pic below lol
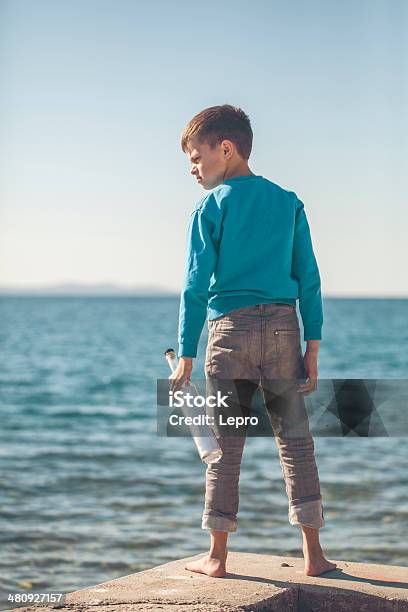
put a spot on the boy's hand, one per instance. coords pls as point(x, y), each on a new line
point(181, 374)
point(310, 366)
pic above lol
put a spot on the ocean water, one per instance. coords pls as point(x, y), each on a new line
point(89, 492)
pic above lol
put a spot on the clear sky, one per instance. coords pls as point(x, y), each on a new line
point(94, 96)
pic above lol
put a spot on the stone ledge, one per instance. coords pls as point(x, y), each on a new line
point(254, 583)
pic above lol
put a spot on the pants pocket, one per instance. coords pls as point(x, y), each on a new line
point(228, 353)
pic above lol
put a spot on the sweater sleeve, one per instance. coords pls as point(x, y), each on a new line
point(306, 271)
point(202, 252)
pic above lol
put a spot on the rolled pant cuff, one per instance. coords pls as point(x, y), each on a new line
point(309, 514)
point(218, 523)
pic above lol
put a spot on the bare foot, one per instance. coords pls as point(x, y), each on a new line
point(315, 561)
point(317, 564)
point(211, 566)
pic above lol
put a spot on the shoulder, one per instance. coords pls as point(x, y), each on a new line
point(210, 205)
point(289, 196)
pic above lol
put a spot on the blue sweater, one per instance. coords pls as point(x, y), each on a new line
point(248, 242)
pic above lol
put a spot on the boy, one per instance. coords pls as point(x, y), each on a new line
point(249, 258)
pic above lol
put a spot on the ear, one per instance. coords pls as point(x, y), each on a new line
point(227, 147)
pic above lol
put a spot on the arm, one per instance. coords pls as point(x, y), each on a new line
point(201, 260)
point(306, 271)
point(312, 346)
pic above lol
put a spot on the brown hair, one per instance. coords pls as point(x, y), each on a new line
point(217, 123)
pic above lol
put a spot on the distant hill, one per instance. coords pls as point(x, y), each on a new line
point(108, 289)
point(112, 289)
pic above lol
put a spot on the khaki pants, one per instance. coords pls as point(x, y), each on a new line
point(247, 348)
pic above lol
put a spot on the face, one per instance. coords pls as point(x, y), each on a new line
point(208, 165)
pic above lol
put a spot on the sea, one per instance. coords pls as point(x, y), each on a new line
point(90, 492)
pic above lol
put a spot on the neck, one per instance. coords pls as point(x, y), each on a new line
point(241, 170)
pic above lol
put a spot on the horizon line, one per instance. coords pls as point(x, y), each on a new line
point(166, 293)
